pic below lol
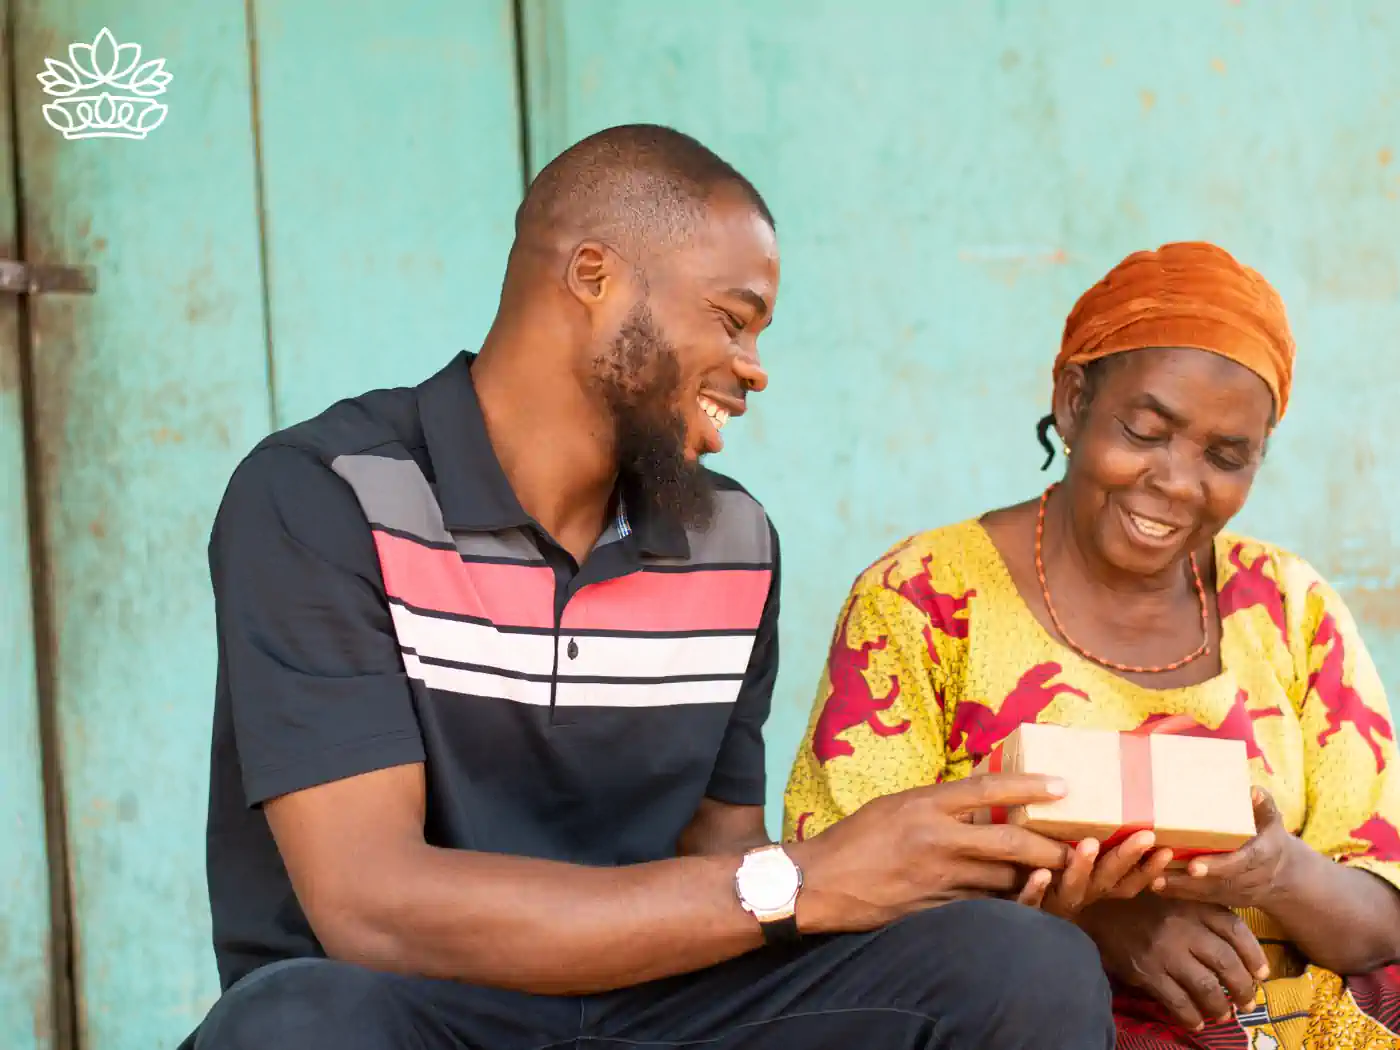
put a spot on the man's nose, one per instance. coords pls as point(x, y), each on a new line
point(750, 372)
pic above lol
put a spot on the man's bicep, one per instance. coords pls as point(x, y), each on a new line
point(342, 843)
point(313, 674)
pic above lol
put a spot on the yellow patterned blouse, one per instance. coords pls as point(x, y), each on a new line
point(936, 657)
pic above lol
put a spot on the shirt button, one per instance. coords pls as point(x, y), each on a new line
point(573, 649)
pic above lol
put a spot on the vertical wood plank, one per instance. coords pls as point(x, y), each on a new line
point(26, 1020)
point(146, 395)
point(391, 168)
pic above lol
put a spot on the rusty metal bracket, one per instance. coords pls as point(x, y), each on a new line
point(21, 278)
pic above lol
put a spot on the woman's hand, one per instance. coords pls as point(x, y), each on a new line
point(1197, 960)
point(1246, 877)
point(1121, 873)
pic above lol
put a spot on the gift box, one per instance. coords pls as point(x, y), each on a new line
point(1193, 792)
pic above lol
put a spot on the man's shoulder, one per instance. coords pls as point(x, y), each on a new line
point(739, 533)
point(294, 464)
point(735, 499)
point(377, 419)
point(738, 508)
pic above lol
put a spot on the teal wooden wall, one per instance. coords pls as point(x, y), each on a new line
point(327, 207)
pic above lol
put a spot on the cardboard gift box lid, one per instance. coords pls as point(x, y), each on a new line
point(1194, 792)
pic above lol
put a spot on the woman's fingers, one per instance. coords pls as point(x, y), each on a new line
point(1221, 958)
point(1232, 929)
point(1125, 856)
point(1122, 864)
point(1146, 875)
point(1202, 984)
point(1168, 991)
point(1033, 892)
point(1077, 877)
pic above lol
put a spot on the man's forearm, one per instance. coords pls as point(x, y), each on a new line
point(1341, 918)
point(541, 926)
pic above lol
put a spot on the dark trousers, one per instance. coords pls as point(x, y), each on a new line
point(976, 975)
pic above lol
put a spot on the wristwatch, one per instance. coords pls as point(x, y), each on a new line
point(766, 884)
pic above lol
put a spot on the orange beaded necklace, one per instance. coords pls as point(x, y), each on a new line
point(1055, 619)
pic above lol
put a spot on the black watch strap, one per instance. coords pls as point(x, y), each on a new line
point(780, 931)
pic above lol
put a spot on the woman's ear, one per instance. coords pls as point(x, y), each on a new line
point(1071, 400)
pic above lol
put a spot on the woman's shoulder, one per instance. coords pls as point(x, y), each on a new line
point(950, 559)
point(1246, 563)
point(1258, 578)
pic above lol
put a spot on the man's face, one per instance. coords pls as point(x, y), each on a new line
point(685, 358)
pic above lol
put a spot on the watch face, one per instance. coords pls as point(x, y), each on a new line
point(768, 880)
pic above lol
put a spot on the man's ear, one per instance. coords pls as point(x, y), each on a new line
point(592, 273)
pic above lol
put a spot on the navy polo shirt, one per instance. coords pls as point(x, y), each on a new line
point(381, 598)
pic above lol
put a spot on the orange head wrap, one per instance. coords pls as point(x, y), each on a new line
point(1192, 295)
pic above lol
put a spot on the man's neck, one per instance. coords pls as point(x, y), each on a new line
point(554, 445)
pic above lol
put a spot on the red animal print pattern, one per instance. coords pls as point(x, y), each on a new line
point(937, 658)
point(1344, 705)
point(851, 703)
point(1249, 588)
point(979, 728)
point(1238, 724)
point(941, 610)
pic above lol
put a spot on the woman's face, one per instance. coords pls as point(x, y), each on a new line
point(1164, 450)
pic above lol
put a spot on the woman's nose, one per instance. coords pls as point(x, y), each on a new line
point(1178, 476)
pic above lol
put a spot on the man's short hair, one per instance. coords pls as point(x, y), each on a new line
point(641, 188)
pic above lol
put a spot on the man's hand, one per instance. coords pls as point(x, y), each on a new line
point(1120, 874)
point(1198, 960)
point(1247, 877)
point(909, 851)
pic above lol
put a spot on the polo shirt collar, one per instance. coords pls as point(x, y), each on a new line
point(656, 534)
point(473, 490)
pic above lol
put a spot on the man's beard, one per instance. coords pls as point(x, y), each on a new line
point(639, 377)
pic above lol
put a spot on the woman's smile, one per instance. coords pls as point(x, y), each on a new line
point(1150, 532)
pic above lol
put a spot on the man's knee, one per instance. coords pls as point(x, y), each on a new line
point(310, 1003)
point(1001, 974)
point(1022, 947)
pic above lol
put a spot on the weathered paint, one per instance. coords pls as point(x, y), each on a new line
point(948, 178)
point(26, 1021)
point(391, 169)
point(146, 395)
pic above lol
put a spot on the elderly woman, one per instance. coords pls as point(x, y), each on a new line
point(1116, 599)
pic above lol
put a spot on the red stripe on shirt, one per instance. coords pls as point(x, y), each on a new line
point(437, 580)
point(704, 600)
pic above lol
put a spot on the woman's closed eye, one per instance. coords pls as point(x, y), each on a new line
point(1228, 458)
point(1140, 436)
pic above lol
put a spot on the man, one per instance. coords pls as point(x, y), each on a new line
point(495, 655)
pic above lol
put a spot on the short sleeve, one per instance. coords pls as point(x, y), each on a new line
point(310, 664)
point(876, 726)
point(1353, 795)
point(739, 775)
